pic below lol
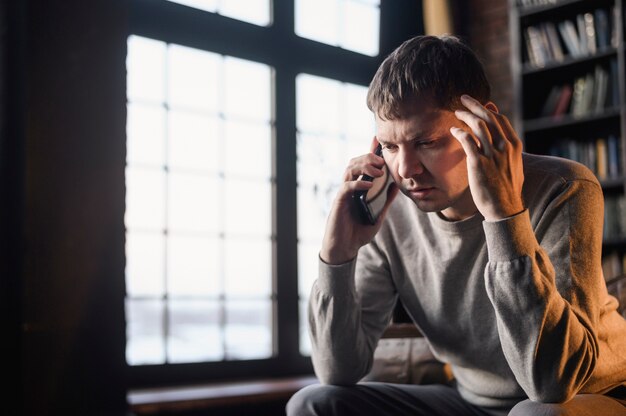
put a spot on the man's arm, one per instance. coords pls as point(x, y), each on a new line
point(547, 336)
point(343, 332)
point(347, 320)
point(547, 297)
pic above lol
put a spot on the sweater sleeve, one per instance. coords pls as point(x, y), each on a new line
point(350, 306)
point(545, 285)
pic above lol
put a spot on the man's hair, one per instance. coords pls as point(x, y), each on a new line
point(437, 68)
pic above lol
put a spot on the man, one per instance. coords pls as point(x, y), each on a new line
point(495, 254)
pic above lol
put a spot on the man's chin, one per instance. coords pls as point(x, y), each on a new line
point(427, 205)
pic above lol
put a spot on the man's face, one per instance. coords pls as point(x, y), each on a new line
point(426, 161)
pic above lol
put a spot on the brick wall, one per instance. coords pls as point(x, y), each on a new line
point(485, 24)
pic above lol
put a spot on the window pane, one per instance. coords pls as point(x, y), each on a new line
point(193, 142)
point(248, 329)
point(308, 265)
point(305, 339)
point(207, 5)
point(248, 149)
point(318, 20)
point(321, 159)
point(322, 156)
point(145, 198)
point(349, 24)
point(252, 11)
point(360, 24)
point(145, 342)
point(317, 104)
point(194, 331)
point(248, 90)
point(145, 129)
point(199, 204)
point(145, 263)
point(193, 79)
point(145, 64)
point(313, 207)
point(193, 266)
point(247, 208)
point(193, 203)
point(359, 121)
point(248, 271)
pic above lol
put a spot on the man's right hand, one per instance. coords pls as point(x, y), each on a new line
point(345, 233)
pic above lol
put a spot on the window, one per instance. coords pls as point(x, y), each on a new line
point(199, 140)
point(251, 11)
point(350, 24)
point(237, 135)
point(333, 125)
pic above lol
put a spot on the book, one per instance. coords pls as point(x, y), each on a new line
point(554, 42)
point(563, 103)
point(590, 158)
point(578, 97)
point(614, 156)
point(530, 52)
point(602, 28)
point(588, 93)
point(582, 35)
point(614, 26)
point(549, 105)
point(537, 48)
point(601, 159)
point(614, 85)
point(590, 33)
point(570, 37)
point(601, 82)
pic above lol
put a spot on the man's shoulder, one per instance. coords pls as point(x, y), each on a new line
point(541, 169)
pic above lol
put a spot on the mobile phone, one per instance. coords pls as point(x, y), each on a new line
point(371, 202)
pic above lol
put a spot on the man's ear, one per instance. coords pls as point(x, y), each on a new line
point(491, 106)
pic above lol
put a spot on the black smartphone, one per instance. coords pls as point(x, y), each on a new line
point(371, 202)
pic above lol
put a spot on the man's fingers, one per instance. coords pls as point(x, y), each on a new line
point(475, 107)
point(479, 128)
point(352, 186)
point(368, 164)
point(467, 141)
point(354, 172)
point(509, 133)
point(489, 121)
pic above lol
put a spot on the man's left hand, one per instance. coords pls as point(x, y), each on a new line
point(494, 159)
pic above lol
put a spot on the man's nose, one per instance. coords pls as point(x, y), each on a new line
point(409, 164)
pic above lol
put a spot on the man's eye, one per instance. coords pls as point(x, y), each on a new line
point(390, 147)
point(426, 143)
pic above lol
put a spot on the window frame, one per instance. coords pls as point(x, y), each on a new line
point(175, 23)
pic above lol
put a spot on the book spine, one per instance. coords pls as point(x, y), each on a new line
point(601, 159)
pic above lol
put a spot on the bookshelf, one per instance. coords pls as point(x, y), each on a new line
point(569, 72)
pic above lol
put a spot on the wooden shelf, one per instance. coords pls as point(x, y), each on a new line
point(571, 135)
point(613, 183)
point(558, 7)
point(568, 62)
point(567, 120)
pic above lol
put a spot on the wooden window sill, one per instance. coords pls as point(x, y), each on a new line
point(185, 398)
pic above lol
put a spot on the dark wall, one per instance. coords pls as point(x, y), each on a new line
point(65, 112)
point(62, 152)
point(11, 187)
point(487, 26)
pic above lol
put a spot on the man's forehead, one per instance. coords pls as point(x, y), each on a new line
point(414, 125)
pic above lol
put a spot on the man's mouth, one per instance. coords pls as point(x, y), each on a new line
point(420, 192)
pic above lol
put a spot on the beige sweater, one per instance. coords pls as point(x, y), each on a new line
point(518, 307)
